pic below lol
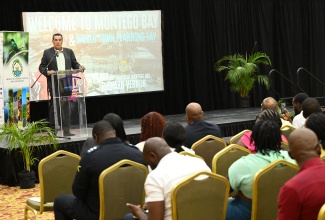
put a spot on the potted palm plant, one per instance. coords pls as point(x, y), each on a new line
point(243, 71)
point(25, 141)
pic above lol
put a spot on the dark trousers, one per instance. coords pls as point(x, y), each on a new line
point(68, 207)
point(63, 113)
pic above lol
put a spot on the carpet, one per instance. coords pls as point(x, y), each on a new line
point(13, 200)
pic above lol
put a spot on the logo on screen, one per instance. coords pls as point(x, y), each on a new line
point(17, 68)
point(123, 66)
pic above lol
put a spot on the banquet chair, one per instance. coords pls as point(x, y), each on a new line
point(323, 158)
point(203, 195)
point(266, 187)
point(191, 155)
point(207, 147)
point(226, 157)
point(120, 184)
point(234, 139)
point(286, 130)
point(56, 175)
point(284, 146)
point(321, 213)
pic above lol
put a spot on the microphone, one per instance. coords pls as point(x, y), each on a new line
point(56, 54)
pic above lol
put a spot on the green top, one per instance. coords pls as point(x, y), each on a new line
point(241, 173)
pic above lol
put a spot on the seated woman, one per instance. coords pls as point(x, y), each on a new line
point(152, 125)
point(267, 114)
point(266, 135)
point(174, 134)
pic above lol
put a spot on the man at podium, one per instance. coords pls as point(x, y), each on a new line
point(54, 59)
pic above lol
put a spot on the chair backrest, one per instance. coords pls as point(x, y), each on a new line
point(56, 175)
point(266, 187)
point(207, 147)
point(226, 157)
point(189, 154)
point(121, 183)
point(321, 213)
point(234, 139)
point(284, 146)
point(205, 198)
point(323, 158)
point(286, 130)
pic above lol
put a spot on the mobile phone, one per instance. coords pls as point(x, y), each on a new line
point(283, 108)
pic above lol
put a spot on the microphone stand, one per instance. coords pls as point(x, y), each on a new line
point(55, 55)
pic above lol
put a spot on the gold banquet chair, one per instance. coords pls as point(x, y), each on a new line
point(286, 130)
point(266, 187)
point(56, 175)
point(226, 157)
point(321, 213)
point(191, 155)
point(234, 139)
point(284, 146)
point(207, 147)
point(194, 198)
point(120, 184)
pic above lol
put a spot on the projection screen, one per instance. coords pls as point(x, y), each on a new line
point(122, 51)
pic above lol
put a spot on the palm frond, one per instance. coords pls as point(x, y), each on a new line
point(242, 72)
point(27, 140)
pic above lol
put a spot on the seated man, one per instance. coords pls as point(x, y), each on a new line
point(169, 168)
point(302, 196)
point(299, 119)
point(271, 103)
point(310, 106)
point(197, 128)
point(316, 123)
point(84, 202)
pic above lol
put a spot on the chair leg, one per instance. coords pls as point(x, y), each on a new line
point(28, 208)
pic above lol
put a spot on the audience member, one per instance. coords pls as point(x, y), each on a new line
point(302, 196)
point(299, 119)
point(310, 106)
point(197, 128)
point(152, 125)
point(118, 126)
point(316, 123)
point(84, 202)
point(267, 138)
point(169, 168)
point(174, 135)
point(267, 114)
point(271, 103)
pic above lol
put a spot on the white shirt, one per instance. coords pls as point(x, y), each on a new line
point(60, 60)
point(298, 121)
point(171, 169)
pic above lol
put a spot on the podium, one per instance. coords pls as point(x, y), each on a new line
point(69, 89)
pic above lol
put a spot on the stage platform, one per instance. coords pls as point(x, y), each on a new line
point(230, 121)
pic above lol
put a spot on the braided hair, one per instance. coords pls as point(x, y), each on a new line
point(266, 135)
point(152, 125)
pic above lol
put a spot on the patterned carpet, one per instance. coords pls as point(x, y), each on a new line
point(13, 200)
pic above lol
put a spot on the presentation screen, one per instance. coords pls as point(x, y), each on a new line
point(121, 51)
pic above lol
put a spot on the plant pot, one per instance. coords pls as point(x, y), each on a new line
point(26, 179)
point(244, 102)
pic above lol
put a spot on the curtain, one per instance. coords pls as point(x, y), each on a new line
point(196, 33)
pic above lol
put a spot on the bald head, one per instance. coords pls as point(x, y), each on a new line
point(154, 150)
point(269, 103)
point(303, 145)
point(193, 112)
